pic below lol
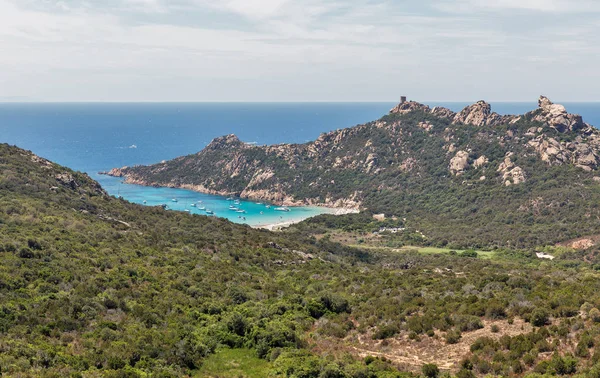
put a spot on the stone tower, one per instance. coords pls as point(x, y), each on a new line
point(402, 99)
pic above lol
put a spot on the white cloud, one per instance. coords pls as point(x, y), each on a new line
point(549, 6)
point(135, 50)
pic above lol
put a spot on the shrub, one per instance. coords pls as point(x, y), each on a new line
point(469, 253)
point(453, 336)
point(595, 315)
point(430, 370)
point(539, 317)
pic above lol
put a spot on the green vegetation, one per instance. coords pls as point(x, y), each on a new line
point(234, 363)
point(93, 286)
point(408, 177)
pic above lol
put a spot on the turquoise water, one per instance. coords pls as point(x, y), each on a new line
point(98, 137)
point(255, 213)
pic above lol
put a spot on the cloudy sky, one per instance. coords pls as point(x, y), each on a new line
point(299, 50)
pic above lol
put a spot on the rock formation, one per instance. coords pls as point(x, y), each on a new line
point(459, 163)
point(556, 116)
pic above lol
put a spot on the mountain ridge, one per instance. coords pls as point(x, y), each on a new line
point(390, 165)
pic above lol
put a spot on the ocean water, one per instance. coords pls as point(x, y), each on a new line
point(97, 137)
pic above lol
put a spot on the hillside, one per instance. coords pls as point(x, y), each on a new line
point(93, 286)
point(472, 178)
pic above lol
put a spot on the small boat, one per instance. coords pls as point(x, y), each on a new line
point(282, 209)
point(193, 205)
point(241, 211)
point(202, 208)
point(210, 212)
point(186, 210)
point(236, 202)
point(174, 200)
point(259, 203)
point(261, 213)
point(145, 202)
point(268, 206)
point(164, 206)
point(229, 199)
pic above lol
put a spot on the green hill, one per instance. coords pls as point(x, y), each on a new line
point(471, 179)
point(94, 286)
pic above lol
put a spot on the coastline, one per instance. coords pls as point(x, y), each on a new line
point(154, 195)
point(280, 199)
point(278, 226)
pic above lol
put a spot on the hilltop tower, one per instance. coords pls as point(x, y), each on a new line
point(402, 99)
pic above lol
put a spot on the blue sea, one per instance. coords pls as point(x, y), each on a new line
point(94, 137)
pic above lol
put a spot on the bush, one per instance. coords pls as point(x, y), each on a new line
point(539, 317)
point(469, 253)
point(595, 315)
point(453, 336)
point(430, 370)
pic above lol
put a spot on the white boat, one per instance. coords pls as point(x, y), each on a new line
point(282, 209)
point(145, 201)
point(193, 205)
point(210, 212)
point(186, 210)
point(241, 211)
point(261, 213)
point(229, 199)
point(202, 208)
point(174, 200)
point(233, 208)
point(268, 206)
point(236, 202)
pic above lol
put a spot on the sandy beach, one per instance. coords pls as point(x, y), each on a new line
point(279, 225)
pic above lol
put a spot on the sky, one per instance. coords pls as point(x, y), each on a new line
point(299, 50)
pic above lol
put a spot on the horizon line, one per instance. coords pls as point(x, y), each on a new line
point(290, 102)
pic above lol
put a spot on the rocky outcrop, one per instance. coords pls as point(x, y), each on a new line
point(581, 154)
point(511, 174)
point(442, 112)
point(480, 114)
point(371, 163)
point(410, 106)
point(67, 179)
point(550, 150)
point(459, 163)
point(225, 142)
point(480, 161)
point(556, 116)
point(427, 126)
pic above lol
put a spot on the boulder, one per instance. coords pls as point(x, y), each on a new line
point(459, 163)
point(511, 174)
point(481, 161)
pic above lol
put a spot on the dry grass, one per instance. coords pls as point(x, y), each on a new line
point(411, 355)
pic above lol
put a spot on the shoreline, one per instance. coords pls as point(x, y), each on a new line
point(270, 222)
point(345, 205)
point(278, 226)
